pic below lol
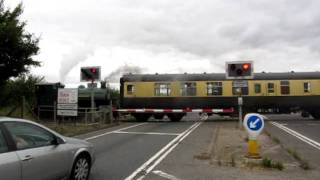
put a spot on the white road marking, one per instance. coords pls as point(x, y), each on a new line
point(303, 138)
point(125, 128)
point(147, 133)
point(160, 155)
point(165, 175)
point(313, 124)
point(167, 152)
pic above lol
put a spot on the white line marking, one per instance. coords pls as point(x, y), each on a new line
point(165, 175)
point(313, 124)
point(147, 133)
point(303, 138)
point(143, 168)
point(125, 128)
point(158, 154)
point(167, 152)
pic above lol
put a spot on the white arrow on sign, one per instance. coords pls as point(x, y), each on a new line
point(254, 124)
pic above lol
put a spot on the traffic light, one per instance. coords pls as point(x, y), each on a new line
point(239, 70)
point(90, 74)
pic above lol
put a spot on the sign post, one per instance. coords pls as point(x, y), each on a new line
point(254, 124)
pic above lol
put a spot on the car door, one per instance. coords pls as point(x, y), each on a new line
point(10, 166)
point(40, 158)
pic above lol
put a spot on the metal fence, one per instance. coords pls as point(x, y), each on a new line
point(102, 114)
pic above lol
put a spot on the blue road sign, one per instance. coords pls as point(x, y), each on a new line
point(254, 123)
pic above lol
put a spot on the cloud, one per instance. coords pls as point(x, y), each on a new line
point(278, 35)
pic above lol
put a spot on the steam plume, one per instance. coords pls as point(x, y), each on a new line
point(114, 76)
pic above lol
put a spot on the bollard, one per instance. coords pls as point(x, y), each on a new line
point(254, 124)
point(253, 149)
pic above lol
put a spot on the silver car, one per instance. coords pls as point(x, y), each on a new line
point(30, 151)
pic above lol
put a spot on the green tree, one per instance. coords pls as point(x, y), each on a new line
point(17, 47)
point(24, 85)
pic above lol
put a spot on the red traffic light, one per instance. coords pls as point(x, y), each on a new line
point(93, 70)
point(246, 66)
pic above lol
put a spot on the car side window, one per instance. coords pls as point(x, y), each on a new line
point(27, 135)
point(3, 143)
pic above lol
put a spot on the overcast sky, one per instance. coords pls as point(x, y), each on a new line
point(172, 36)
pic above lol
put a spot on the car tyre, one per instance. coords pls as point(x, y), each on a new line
point(81, 168)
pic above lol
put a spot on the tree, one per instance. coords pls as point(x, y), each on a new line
point(17, 47)
point(24, 85)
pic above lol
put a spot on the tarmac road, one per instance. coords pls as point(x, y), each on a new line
point(165, 150)
point(121, 151)
point(299, 134)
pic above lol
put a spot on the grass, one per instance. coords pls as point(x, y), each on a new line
point(303, 163)
point(268, 163)
point(294, 154)
point(276, 140)
point(233, 161)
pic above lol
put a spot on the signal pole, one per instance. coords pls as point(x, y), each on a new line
point(240, 104)
point(92, 101)
point(239, 70)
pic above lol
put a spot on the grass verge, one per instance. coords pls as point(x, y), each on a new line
point(302, 163)
point(268, 163)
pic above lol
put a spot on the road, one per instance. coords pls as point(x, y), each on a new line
point(121, 151)
point(299, 134)
point(156, 150)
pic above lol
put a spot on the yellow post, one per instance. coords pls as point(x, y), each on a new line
point(253, 149)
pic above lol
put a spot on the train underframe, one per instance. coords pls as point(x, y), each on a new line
point(307, 105)
point(174, 117)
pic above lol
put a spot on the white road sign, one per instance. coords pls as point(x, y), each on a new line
point(67, 96)
point(67, 102)
point(68, 106)
point(67, 113)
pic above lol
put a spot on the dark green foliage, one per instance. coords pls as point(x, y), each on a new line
point(17, 47)
point(14, 89)
point(268, 163)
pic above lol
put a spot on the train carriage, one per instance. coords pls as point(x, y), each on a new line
point(266, 92)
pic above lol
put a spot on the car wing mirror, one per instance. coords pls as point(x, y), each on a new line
point(56, 141)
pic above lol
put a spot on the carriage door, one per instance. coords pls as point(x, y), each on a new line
point(271, 89)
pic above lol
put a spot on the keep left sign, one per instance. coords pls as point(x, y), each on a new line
point(254, 124)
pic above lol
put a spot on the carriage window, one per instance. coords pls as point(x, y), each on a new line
point(257, 88)
point(307, 87)
point(214, 88)
point(130, 89)
point(240, 86)
point(188, 89)
point(162, 89)
point(285, 89)
point(270, 88)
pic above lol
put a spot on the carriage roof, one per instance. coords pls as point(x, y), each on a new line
point(217, 76)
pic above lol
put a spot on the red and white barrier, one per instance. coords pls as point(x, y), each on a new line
point(228, 110)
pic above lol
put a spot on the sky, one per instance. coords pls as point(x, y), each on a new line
point(171, 36)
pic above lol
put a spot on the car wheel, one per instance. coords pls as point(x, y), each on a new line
point(81, 168)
